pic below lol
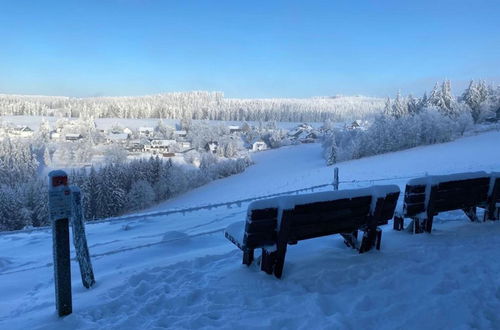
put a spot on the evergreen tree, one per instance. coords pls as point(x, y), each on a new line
point(399, 107)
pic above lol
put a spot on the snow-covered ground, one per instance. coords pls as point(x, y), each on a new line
point(107, 123)
point(179, 271)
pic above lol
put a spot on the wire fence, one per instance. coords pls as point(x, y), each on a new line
point(229, 204)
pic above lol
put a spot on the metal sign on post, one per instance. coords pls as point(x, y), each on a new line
point(60, 212)
point(80, 240)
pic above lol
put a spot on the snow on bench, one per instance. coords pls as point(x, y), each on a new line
point(273, 223)
point(428, 196)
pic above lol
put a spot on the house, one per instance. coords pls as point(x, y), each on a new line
point(159, 146)
point(54, 135)
point(119, 138)
point(21, 131)
point(73, 137)
point(135, 146)
point(180, 134)
point(234, 129)
point(212, 146)
point(259, 146)
point(357, 124)
point(185, 145)
point(146, 131)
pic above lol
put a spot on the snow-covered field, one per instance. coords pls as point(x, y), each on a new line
point(107, 123)
point(179, 271)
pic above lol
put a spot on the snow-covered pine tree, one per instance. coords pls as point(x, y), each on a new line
point(140, 196)
point(472, 97)
point(387, 107)
point(399, 108)
point(413, 105)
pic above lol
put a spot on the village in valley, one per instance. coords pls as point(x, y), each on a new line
point(85, 141)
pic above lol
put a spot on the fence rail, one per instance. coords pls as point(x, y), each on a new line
point(219, 205)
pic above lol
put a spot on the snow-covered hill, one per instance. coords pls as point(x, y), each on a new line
point(179, 271)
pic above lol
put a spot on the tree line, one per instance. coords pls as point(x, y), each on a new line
point(194, 105)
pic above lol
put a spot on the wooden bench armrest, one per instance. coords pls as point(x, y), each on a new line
point(235, 233)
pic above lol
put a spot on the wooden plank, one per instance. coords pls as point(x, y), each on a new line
point(362, 201)
point(260, 227)
point(334, 216)
point(258, 214)
point(418, 189)
point(415, 198)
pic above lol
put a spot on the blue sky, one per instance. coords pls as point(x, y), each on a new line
point(245, 48)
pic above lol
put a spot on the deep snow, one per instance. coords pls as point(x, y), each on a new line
point(179, 271)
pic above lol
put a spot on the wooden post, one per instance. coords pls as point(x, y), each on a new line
point(80, 240)
point(60, 212)
point(336, 178)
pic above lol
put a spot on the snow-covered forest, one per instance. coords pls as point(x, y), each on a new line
point(194, 105)
point(408, 122)
point(112, 189)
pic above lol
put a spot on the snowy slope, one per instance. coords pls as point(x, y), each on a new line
point(179, 271)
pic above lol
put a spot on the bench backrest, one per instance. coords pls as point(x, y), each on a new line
point(319, 214)
point(327, 218)
point(260, 227)
point(446, 193)
point(494, 192)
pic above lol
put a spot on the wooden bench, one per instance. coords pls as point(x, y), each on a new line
point(492, 208)
point(428, 196)
point(274, 223)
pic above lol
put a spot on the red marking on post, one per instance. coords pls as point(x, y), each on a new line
point(59, 181)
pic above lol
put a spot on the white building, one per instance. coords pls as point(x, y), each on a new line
point(259, 146)
point(73, 137)
point(21, 131)
point(146, 131)
point(159, 146)
point(119, 138)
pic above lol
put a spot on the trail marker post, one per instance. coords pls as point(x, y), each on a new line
point(336, 178)
point(60, 213)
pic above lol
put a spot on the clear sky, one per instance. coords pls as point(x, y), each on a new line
point(245, 48)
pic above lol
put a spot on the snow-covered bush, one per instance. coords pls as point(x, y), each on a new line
point(388, 133)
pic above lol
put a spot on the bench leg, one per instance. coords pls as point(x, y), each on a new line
point(378, 240)
point(369, 240)
point(351, 239)
point(417, 225)
point(248, 257)
point(491, 212)
point(427, 225)
point(267, 261)
point(471, 213)
point(280, 260)
point(399, 223)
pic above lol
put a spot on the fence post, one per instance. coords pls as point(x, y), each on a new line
point(79, 239)
point(60, 212)
point(336, 178)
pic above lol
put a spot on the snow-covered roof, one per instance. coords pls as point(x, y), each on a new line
point(118, 136)
point(146, 129)
point(72, 135)
point(162, 142)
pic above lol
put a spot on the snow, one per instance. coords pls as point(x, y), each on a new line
point(436, 179)
point(179, 271)
point(289, 202)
